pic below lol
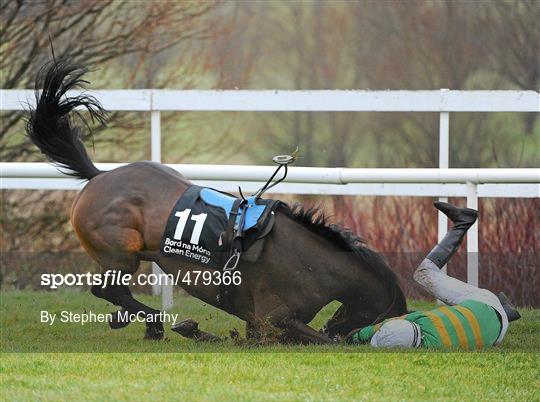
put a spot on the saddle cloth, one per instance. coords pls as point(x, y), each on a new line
point(196, 229)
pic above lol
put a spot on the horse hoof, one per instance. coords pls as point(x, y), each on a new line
point(153, 333)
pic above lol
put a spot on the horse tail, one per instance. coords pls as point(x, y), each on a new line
point(50, 125)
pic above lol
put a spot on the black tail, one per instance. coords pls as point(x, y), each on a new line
point(50, 125)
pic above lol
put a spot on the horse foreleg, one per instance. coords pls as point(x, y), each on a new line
point(303, 333)
point(339, 324)
point(294, 329)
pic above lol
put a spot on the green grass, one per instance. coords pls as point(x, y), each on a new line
point(30, 371)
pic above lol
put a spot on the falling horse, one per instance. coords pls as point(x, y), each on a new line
point(301, 264)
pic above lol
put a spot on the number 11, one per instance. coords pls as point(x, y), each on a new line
point(197, 229)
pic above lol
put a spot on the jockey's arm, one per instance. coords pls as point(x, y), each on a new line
point(363, 335)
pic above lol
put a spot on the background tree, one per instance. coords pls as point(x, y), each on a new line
point(128, 45)
point(386, 45)
point(513, 49)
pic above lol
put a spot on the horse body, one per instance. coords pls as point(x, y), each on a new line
point(120, 216)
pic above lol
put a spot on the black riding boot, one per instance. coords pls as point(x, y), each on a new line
point(463, 219)
point(509, 309)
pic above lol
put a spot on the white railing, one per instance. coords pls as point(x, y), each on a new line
point(442, 182)
point(308, 180)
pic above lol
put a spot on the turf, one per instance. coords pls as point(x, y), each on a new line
point(183, 369)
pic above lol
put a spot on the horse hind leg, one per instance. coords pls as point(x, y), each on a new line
point(116, 248)
point(117, 295)
point(121, 296)
point(112, 236)
point(118, 319)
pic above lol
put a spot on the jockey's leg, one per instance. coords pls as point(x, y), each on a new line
point(463, 219)
point(443, 287)
point(428, 273)
point(451, 290)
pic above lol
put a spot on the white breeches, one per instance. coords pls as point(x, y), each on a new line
point(453, 291)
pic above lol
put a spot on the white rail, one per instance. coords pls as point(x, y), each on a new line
point(316, 175)
point(522, 183)
point(442, 182)
point(301, 101)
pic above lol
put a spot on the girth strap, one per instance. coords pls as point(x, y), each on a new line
point(233, 242)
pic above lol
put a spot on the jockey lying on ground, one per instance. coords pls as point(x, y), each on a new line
point(474, 318)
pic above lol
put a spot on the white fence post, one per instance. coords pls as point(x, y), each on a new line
point(155, 154)
point(472, 237)
point(444, 157)
point(166, 289)
point(167, 301)
point(155, 136)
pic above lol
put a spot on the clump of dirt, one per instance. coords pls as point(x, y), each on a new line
point(259, 333)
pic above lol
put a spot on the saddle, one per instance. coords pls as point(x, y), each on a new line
point(250, 218)
point(207, 227)
point(215, 229)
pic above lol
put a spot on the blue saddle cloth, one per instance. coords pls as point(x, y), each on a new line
point(254, 211)
point(197, 226)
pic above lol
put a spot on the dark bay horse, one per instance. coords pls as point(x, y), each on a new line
point(120, 215)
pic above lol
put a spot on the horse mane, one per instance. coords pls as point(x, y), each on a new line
point(315, 220)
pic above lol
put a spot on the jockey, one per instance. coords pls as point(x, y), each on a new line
point(474, 318)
